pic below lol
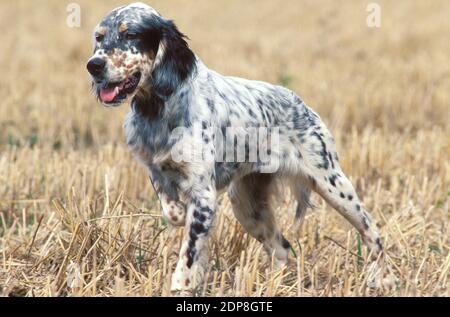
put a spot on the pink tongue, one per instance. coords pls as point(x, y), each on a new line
point(108, 94)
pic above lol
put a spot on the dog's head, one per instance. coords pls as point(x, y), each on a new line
point(136, 51)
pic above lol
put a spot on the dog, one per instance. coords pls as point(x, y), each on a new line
point(142, 58)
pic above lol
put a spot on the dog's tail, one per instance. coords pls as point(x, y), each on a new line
point(301, 193)
point(303, 203)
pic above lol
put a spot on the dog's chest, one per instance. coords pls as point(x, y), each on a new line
point(148, 140)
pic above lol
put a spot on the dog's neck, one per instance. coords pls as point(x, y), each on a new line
point(147, 104)
point(172, 110)
point(150, 105)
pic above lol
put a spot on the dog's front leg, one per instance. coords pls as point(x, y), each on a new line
point(173, 209)
point(201, 206)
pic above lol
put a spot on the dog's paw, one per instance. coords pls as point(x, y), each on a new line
point(376, 279)
point(174, 212)
point(182, 293)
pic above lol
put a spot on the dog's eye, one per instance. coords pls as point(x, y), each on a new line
point(99, 37)
point(131, 36)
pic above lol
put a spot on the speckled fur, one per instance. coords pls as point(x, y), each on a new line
point(178, 90)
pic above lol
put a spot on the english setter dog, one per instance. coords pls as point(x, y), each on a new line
point(141, 57)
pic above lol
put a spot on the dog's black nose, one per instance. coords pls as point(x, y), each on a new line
point(95, 66)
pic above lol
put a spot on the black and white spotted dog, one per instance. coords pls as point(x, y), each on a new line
point(143, 57)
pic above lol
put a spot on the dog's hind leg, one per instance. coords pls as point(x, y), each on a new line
point(250, 198)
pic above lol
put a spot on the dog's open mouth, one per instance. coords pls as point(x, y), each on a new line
point(113, 93)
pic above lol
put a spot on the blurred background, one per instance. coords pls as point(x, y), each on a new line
point(383, 92)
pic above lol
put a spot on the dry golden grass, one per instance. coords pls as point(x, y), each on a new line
point(78, 216)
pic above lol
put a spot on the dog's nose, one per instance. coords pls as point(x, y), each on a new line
point(95, 66)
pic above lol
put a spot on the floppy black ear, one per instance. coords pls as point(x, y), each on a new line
point(174, 60)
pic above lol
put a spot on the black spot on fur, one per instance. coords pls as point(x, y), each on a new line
point(323, 152)
point(378, 242)
point(331, 159)
point(206, 210)
point(190, 253)
point(285, 243)
point(192, 238)
point(199, 216)
point(149, 108)
point(210, 104)
point(198, 228)
point(333, 179)
point(366, 224)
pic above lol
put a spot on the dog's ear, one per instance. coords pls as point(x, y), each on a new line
point(174, 61)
